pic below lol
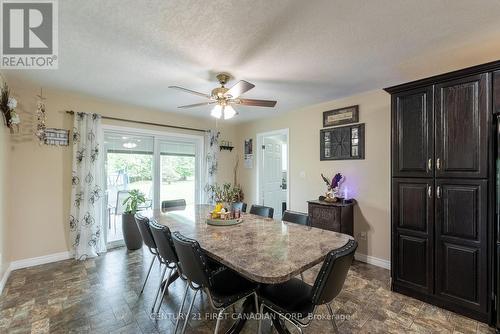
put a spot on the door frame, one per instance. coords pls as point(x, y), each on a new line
point(260, 160)
point(159, 136)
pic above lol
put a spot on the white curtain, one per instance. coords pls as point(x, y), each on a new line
point(212, 149)
point(86, 217)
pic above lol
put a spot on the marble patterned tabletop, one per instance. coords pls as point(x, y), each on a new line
point(261, 249)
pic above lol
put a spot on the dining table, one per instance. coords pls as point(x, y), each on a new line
point(263, 250)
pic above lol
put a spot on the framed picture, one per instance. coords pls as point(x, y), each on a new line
point(341, 116)
point(343, 143)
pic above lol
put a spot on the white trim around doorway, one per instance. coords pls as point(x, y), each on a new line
point(259, 162)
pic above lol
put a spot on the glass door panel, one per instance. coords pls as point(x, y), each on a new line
point(178, 171)
point(128, 166)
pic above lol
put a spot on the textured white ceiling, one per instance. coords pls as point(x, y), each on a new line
point(297, 52)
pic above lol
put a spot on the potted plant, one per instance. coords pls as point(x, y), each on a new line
point(225, 194)
point(131, 234)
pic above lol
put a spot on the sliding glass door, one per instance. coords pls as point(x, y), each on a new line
point(160, 166)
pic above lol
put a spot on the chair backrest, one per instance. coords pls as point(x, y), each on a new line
point(173, 204)
point(163, 240)
point(296, 218)
point(242, 206)
point(333, 273)
point(192, 260)
point(143, 225)
point(120, 197)
point(263, 211)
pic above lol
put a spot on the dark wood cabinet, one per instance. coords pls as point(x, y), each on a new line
point(413, 133)
point(443, 189)
point(462, 116)
point(336, 217)
point(412, 216)
point(461, 252)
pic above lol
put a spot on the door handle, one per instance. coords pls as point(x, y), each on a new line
point(429, 165)
point(429, 191)
point(438, 192)
point(438, 164)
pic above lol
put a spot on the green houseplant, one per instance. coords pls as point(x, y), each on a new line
point(131, 234)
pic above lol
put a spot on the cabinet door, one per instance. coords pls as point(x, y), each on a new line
point(462, 127)
point(461, 242)
point(412, 133)
point(412, 231)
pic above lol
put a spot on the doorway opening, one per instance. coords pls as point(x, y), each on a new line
point(273, 170)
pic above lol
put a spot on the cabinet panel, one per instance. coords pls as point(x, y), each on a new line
point(496, 92)
point(461, 127)
point(461, 225)
point(412, 217)
point(412, 262)
point(412, 137)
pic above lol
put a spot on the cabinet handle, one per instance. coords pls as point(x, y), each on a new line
point(438, 192)
point(429, 165)
point(429, 191)
point(438, 164)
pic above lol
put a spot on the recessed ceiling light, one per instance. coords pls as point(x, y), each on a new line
point(130, 145)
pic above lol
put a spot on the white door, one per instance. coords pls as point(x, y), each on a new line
point(272, 175)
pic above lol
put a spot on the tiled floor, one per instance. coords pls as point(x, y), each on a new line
point(102, 296)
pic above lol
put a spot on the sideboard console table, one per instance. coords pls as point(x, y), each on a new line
point(336, 217)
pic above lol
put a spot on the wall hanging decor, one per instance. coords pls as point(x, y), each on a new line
point(41, 118)
point(248, 153)
point(7, 106)
point(343, 143)
point(57, 137)
point(341, 116)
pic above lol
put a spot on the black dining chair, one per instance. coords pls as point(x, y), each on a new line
point(166, 255)
point(143, 225)
point(298, 298)
point(223, 287)
point(263, 211)
point(175, 204)
point(296, 218)
point(239, 206)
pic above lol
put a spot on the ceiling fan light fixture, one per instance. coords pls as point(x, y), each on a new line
point(229, 112)
point(216, 111)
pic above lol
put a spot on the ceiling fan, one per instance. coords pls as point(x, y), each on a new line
point(224, 98)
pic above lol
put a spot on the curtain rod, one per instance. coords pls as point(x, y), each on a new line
point(71, 112)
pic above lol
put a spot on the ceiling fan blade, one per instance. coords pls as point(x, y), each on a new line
point(239, 88)
point(196, 105)
point(190, 91)
point(257, 103)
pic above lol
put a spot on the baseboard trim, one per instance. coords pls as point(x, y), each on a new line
point(35, 261)
point(4, 279)
point(373, 260)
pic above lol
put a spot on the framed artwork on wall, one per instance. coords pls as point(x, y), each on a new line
point(341, 116)
point(343, 143)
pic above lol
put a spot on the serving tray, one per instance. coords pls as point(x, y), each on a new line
point(224, 222)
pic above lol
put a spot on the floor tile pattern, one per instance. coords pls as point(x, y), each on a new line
point(102, 296)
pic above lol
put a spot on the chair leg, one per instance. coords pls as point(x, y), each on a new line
point(261, 312)
point(256, 302)
point(332, 316)
point(219, 317)
point(165, 290)
point(189, 312)
point(147, 276)
point(162, 276)
point(180, 309)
